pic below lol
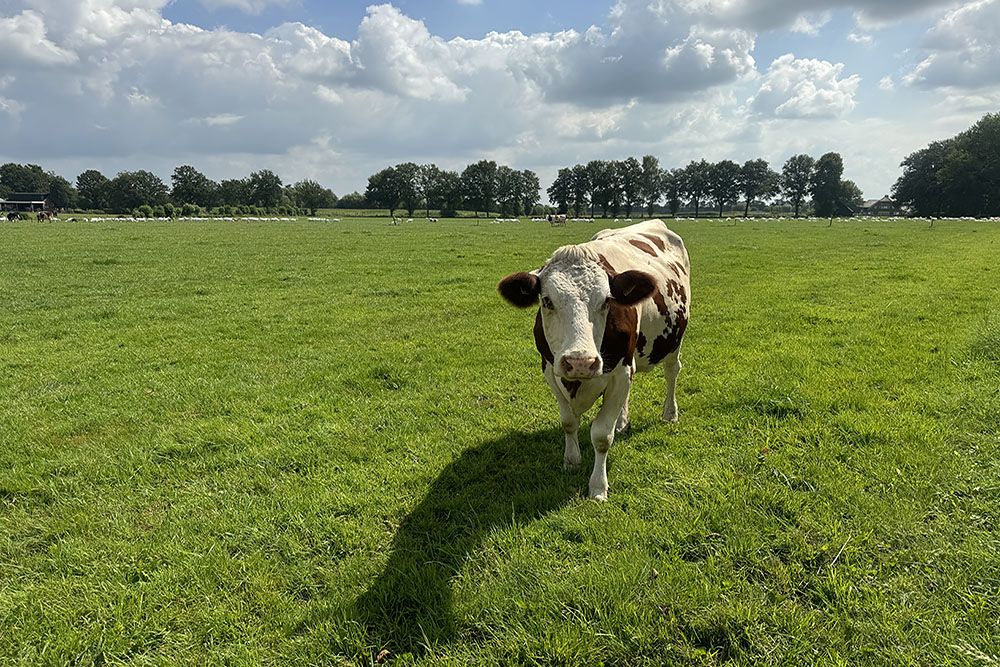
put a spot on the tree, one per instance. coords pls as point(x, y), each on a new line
point(561, 191)
point(450, 191)
point(508, 191)
point(190, 186)
point(920, 187)
point(724, 183)
point(479, 186)
point(851, 194)
point(62, 194)
point(313, 196)
point(651, 183)
point(530, 186)
point(695, 182)
point(265, 189)
point(383, 190)
point(92, 190)
point(23, 178)
point(758, 181)
point(673, 189)
point(630, 175)
point(971, 172)
point(428, 180)
point(613, 191)
point(581, 188)
point(796, 177)
point(407, 176)
point(598, 177)
point(353, 200)
point(233, 192)
point(131, 189)
point(825, 185)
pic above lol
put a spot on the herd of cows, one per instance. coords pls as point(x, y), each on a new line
point(608, 308)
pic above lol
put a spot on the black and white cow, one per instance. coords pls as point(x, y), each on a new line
point(609, 307)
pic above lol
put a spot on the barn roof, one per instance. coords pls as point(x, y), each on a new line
point(27, 196)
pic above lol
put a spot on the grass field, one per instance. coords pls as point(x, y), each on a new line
point(312, 443)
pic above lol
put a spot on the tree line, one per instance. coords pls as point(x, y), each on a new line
point(190, 191)
point(955, 177)
point(482, 187)
point(623, 186)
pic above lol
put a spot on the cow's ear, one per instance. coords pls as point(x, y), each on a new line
point(631, 287)
point(521, 289)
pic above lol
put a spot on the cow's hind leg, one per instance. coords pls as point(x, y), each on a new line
point(671, 369)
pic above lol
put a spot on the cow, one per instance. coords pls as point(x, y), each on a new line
point(608, 308)
point(12, 216)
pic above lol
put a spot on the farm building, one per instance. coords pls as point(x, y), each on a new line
point(26, 202)
point(879, 207)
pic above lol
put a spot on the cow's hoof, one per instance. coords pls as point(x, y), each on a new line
point(671, 416)
point(623, 428)
point(599, 497)
point(571, 466)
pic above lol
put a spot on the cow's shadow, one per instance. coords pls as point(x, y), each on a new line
point(511, 480)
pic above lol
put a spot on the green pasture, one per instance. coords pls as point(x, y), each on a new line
point(317, 443)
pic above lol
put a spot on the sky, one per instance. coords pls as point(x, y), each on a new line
point(336, 90)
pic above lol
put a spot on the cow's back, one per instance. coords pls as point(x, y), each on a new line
point(651, 247)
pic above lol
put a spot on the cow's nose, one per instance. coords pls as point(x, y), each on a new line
point(580, 366)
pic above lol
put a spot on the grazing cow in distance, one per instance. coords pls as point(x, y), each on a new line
point(608, 308)
point(12, 216)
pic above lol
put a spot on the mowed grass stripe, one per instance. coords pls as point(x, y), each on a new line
point(309, 442)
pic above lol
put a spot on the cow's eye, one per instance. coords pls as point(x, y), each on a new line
point(547, 303)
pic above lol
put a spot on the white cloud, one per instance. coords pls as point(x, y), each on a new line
point(25, 40)
point(248, 6)
point(805, 88)
point(769, 14)
point(887, 84)
point(962, 50)
point(810, 25)
point(861, 38)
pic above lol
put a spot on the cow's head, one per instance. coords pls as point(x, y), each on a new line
point(576, 294)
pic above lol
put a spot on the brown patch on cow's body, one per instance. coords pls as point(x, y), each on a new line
point(676, 292)
point(657, 241)
point(669, 341)
point(573, 386)
point(606, 265)
point(678, 269)
point(620, 335)
point(661, 304)
point(541, 344)
point(643, 246)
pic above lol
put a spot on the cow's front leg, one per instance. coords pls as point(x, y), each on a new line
point(571, 428)
point(602, 433)
point(570, 424)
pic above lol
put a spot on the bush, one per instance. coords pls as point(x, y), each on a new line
point(145, 211)
point(159, 212)
point(190, 209)
point(169, 210)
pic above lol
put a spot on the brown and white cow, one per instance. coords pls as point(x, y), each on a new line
point(609, 307)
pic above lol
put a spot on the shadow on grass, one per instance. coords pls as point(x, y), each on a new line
point(500, 483)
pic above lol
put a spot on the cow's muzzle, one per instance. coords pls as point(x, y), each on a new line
point(575, 367)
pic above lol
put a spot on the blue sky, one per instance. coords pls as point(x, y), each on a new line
point(336, 90)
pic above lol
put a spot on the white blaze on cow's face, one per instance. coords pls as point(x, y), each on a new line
point(574, 302)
